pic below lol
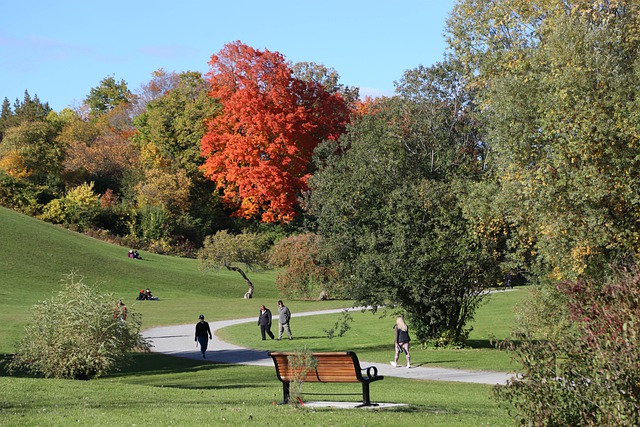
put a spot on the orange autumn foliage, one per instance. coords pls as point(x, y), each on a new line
point(258, 150)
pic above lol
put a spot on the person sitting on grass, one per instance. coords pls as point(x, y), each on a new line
point(149, 296)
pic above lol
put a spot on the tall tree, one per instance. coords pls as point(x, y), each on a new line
point(168, 133)
point(175, 121)
point(388, 202)
point(328, 78)
point(559, 81)
point(107, 95)
point(100, 149)
point(258, 150)
point(34, 142)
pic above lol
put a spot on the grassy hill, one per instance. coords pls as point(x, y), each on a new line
point(35, 256)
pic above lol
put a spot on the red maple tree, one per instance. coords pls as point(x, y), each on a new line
point(258, 150)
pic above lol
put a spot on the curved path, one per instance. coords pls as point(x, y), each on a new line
point(178, 341)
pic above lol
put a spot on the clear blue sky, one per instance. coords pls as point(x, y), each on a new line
point(60, 50)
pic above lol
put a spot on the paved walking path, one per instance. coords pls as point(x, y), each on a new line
point(178, 341)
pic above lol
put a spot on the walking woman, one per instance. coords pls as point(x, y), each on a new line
point(401, 341)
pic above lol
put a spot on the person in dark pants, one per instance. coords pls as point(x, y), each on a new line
point(203, 335)
point(264, 320)
point(284, 316)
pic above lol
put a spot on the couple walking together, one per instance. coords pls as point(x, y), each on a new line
point(203, 331)
point(264, 320)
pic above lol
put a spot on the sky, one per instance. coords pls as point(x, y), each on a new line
point(59, 51)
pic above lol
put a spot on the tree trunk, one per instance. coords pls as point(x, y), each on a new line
point(249, 293)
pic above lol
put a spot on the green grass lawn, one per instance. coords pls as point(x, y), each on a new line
point(160, 390)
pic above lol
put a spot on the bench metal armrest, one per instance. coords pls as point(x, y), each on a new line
point(371, 372)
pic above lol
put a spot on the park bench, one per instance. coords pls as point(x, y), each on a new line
point(331, 367)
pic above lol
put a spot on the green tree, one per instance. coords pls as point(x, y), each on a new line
point(235, 252)
point(388, 202)
point(559, 83)
point(328, 78)
point(169, 133)
point(78, 334)
point(176, 121)
point(108, 95)
point(34, 142)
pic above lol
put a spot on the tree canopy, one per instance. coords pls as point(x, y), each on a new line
point(259, 149)
point(389, 203)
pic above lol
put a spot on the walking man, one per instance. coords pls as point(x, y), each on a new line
point(284, 316)
point(264, 320)
point(203, 334)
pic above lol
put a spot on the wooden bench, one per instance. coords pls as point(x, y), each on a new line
point(332, 367)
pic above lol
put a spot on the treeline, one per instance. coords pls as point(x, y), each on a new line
point(123, 166)
point(517, 156)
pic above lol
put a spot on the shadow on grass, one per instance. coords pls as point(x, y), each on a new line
point(138, 364)
point(481, 344)
point(154, 364)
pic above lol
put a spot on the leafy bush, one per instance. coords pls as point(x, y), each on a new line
point(586, 372)
point(20, 195)
point(79, 208)
point(304, 274)
point(77, 334)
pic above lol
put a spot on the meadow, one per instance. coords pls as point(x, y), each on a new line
point(163, 391)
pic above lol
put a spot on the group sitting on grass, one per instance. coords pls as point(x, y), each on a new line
point(146, 295)
point(134, 254)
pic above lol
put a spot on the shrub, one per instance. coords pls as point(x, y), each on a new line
point(301, 363)
point(79, 208)
point(304, 274)
point(587, 372)
point(77, 334)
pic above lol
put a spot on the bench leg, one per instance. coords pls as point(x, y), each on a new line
point(285, 392)
point(366, 400)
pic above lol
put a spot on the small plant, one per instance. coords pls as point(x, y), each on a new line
point(300, 363)
point(341, 325)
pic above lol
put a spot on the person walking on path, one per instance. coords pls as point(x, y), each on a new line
point(203, 335)
point(284, 316)
point(402, 339)
point(264, 320)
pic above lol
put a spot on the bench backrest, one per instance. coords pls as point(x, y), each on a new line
point(341, 367)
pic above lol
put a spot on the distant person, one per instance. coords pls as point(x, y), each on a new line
point(120, 312)
point(203, 335)
point(264, 320)
point(149, 296)
point(507, 281)
point(130, 253)
point(141, 296)
point(401, 332)
point(136, 255)
point(284, 316)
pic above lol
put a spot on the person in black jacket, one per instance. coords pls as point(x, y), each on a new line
point(264, 320)
point(203, 335)
point(402, 341)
